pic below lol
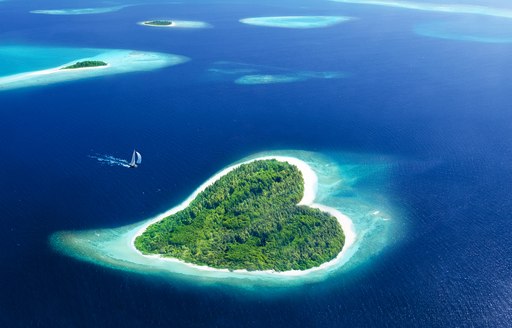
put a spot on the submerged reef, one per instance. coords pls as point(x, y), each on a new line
point(269, 78)
point(287, 78)
point(485, 30)
point(79, 11)
point(301, 22)
point(340, 185)
point(437, 7)
point(250, 74)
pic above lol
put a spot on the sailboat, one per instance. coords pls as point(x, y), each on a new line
point(136, 159)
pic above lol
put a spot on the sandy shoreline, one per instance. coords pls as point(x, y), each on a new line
point(310, 189)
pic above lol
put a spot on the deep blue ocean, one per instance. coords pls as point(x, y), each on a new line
point(438, 109)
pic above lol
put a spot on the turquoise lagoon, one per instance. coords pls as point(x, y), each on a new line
point(16, 59)
point(341, 185)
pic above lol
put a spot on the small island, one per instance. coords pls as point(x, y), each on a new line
point(248, 219)
point(86, 64)
point(179, 24)
point(159, 23)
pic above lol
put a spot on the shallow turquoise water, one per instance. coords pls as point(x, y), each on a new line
point(466, 7)
point(473, 29)
point(18, 59)
point(119, 61)
point(296, 21)
point(78, 11)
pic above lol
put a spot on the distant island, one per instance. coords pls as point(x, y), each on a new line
point(248, 219)
point(179, 24)
point(159, 23)
point(79, 63)
point(86, 63)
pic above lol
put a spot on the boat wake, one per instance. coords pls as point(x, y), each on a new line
point(110, 160)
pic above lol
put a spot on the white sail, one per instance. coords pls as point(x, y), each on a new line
point(132, 162)
point(139, 157)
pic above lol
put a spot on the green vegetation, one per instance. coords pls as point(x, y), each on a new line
point(159, 22)
point(86, 63)
point(248, 219)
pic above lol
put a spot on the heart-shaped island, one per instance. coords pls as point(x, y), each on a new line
point(248, 219)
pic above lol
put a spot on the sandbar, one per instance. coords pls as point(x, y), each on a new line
point(299, 22)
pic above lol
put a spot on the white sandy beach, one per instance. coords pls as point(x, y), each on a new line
point(310, 189)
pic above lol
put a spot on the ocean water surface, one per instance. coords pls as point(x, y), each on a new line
point(431, 115)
